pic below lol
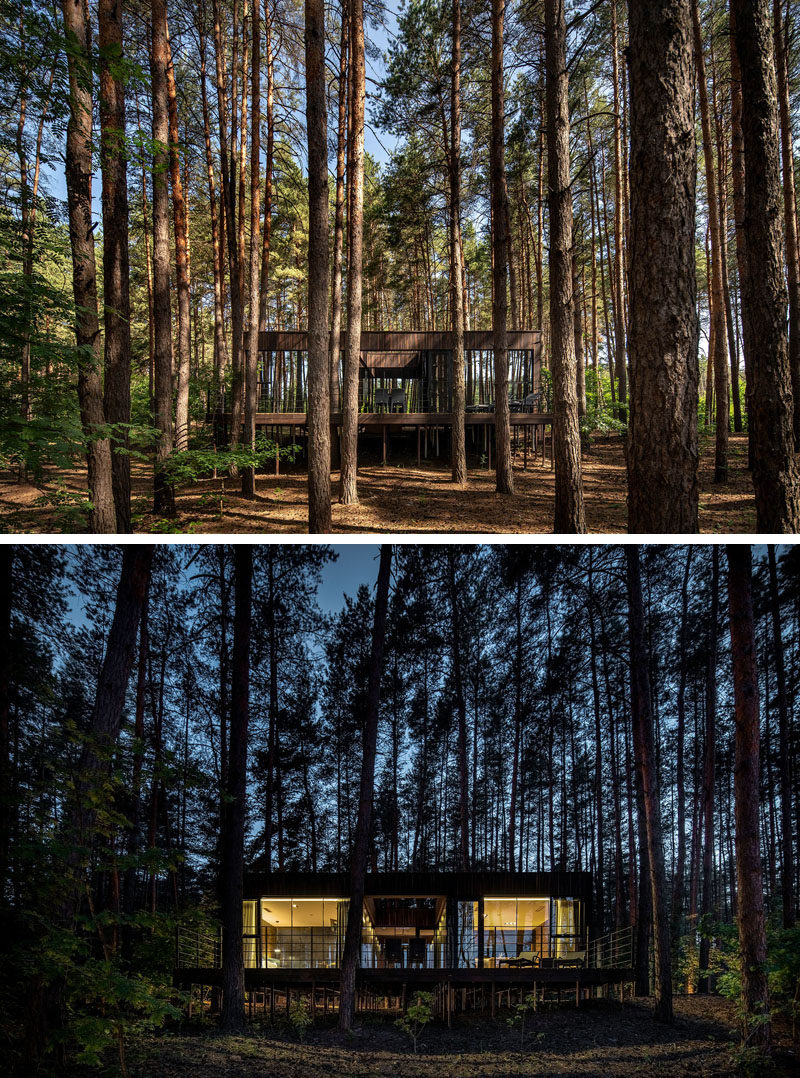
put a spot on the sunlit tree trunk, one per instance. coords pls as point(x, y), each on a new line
point(775, 474)
point(162, 315)
point(338, 227)
point(662, 438)
point(116, 296)
point(502, 418)
point(716, 292)
point(355, 198)
point(78, 173)
point(181, 231)
point(319, 423)
point(789, 206)
point(569, 513)
point(458, 460)
point(251, 355)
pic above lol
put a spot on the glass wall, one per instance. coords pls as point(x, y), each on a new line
point(295, 933)
point(514, 929)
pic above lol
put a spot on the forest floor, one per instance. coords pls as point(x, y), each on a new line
point(600, 1039)
point(397, 497)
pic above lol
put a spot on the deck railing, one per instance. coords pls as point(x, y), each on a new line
point(612, 951)
point(195, 949)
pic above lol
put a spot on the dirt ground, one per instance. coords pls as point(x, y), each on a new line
point(601, 1039)
point(396, 498)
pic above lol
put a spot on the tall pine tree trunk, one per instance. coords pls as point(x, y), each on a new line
point(116, 275)
point(787, 844)
point(78, 174)
point(644, 752)
point(662, 438)
point(502, 417)
point(233, 820)
point(775, 473)
point(251, 353)
point(319, 422)
point(164, 502)
point(458, 451)
point(355, 198)
point(789, 207)
point(716, 293)
point(338, 227)
point(750, 885)
point(360, 852)
point(569, 513)
point(181, 231)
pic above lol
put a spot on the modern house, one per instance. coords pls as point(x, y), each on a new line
point(466, 936)
point(406, 385)
point(419, 920)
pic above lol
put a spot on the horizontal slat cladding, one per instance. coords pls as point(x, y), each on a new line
point(475, 340)
point(460, 885)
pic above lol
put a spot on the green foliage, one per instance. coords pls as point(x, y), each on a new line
point(516, 1020)
point(191, 465)
point(300, 1018)
point(418, 1013)
point(601, 423)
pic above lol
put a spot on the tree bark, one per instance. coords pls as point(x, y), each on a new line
point(105, 721)
point(164, 501)
point(750, 887)
point(338, 227)
point(662, 438)
point(787, 845)
point(502, 417)
point(319, 423)
point(780, 32)
point(569, 512)
point(78, 174)
point(251, 355)
point(181, 231)
point(233, 820)
point(116, 274)
point(644, 753)
point(358, 862)
point(775, 475)
point(716, 291)
point(355, 194)
point(709, 770)
point(458, 450)
point(620, 321)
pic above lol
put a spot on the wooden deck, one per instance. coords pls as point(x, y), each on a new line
point(537, 428)
point(391, 981)
point(405, 419)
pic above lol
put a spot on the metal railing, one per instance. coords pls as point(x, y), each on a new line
point(613, 951)
point(197, 950)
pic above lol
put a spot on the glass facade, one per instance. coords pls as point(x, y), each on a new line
point(294, 933)
point(413, 933)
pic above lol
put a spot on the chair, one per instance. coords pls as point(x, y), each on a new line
point(532, 402)
point(524, 958)
point(381, 399)
point(398, 398)
point(417, 953)
point(572, 960)
point(393, 952)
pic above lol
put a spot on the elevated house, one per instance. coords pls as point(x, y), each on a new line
point(468, 930)
point(406, 384)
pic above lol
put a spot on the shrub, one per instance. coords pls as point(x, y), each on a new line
point(417, 1016)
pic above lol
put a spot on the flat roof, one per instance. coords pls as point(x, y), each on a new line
point(460, 885)
point(384, 340)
